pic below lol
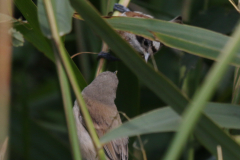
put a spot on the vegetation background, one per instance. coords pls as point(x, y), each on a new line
point(38, 128)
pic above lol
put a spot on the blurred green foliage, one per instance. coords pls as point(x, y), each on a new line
point(38, 125)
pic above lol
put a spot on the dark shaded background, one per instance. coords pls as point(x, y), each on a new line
point(38, 126)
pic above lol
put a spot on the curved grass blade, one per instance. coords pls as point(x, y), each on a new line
point(194, 110)
point(236, 89)
point(167, 120)
point(67, 101)
point(62, 54)
point(159, 120)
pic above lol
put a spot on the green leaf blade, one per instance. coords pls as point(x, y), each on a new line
point(63, 12)
point(167, 120)
point(194, 40)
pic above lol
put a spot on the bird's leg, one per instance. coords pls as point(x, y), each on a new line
point(107, 56)
point(120, 8)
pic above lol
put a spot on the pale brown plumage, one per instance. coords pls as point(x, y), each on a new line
point(143, 45)
point(99, 97)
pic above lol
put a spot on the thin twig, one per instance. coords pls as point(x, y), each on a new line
point(154, 63)
point(234, 5)
point(124, 114)
point(138, 136)
point(105, 47)
point(219, 152)
point(114, 118)
point(3, 150)
point(132, 155)
point(82, 53)
point(102, 60)
point(236, 77)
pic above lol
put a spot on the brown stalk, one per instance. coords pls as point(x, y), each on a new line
point(105, 47)
point(139, 138)
point(5, 71)
point(82, 53)
point(234, 5)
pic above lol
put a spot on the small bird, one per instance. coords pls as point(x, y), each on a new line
point(142, 45)
point(99, 97)
point(145, 47)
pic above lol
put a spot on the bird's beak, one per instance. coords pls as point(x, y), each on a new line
point(116, 72)
point(146, 56)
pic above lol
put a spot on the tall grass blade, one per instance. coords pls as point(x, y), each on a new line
point(72, 77)
point(195, 108)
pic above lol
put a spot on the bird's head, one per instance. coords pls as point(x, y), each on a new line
point(103, 88)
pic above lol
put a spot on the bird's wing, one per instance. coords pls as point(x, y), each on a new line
point(116, 149)
point(104, 119)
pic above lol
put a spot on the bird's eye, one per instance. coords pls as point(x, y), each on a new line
point(145, 42)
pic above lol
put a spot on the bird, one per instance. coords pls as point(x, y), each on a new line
point(144, 46)
point(99, 97)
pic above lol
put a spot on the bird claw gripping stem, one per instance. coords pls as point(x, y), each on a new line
point(120, 8)
point(107, 56)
